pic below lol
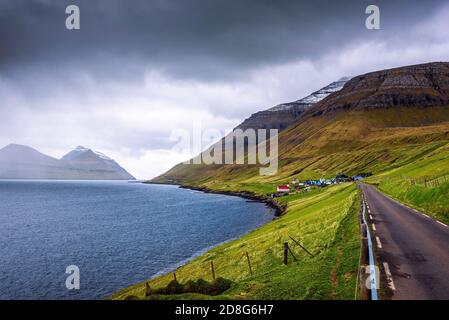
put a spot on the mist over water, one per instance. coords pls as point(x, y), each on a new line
point(117, 233)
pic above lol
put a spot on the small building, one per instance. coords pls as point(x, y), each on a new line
point(283, 188)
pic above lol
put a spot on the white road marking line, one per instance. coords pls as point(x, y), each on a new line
point(369, 211)
point(425, 215)
point(389, 276)
point(443, 224)
point(416, 210)
point(374, 227)
point(371, 217)
point(379, 244)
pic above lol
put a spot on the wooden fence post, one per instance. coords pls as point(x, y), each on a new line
point(249, 263)
point(174, 276)
point(213, 271)
point(147, 289)
point(285, 253)
point(363, 228)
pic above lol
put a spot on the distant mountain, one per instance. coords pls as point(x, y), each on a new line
point(23, 162)
point(283, 115)
point(80, 151)
point(15, 153)
point(88, 159)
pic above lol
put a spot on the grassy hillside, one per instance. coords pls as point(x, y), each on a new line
point(423, 184)
point(351, 142)
point(324, 221)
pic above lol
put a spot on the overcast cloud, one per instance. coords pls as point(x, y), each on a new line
point(137, 70)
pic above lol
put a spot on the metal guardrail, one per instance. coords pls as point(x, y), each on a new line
point(372, 268)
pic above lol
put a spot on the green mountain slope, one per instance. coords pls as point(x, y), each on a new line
point(378, 122)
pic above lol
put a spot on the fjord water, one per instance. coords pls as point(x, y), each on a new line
point(117, 233)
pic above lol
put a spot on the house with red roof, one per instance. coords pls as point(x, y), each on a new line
point(283, 188)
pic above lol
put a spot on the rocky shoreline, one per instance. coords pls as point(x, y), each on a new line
point(279, 208)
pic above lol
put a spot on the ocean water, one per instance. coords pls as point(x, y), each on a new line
point(117, 233)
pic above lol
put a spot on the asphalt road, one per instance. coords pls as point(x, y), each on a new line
point(411, 249)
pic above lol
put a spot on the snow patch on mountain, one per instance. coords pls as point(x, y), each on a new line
point(313, 98)
point(80, 149)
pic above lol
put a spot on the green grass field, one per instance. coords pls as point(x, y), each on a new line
point(323, 221)
point(423, 184)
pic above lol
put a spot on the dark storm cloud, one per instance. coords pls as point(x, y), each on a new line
point(138, 71)
point(206, 39)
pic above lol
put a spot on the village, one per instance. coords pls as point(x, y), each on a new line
point(307, 185)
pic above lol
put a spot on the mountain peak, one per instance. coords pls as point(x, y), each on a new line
point(423, 85)
point(18, 153)
point(345, 79)
point(283, 115)
point(314, 97)
point(23, 162)
point(80, 150)
point(17, 146)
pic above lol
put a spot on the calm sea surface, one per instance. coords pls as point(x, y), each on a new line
point(117, 233)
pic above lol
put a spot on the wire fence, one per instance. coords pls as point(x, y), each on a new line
point(244, 264)
point(427, 181)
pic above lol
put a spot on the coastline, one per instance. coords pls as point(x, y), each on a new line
point(175, 266)
point(312, 221)
point(279, 209)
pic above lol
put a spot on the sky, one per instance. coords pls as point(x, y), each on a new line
point(137, 72)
